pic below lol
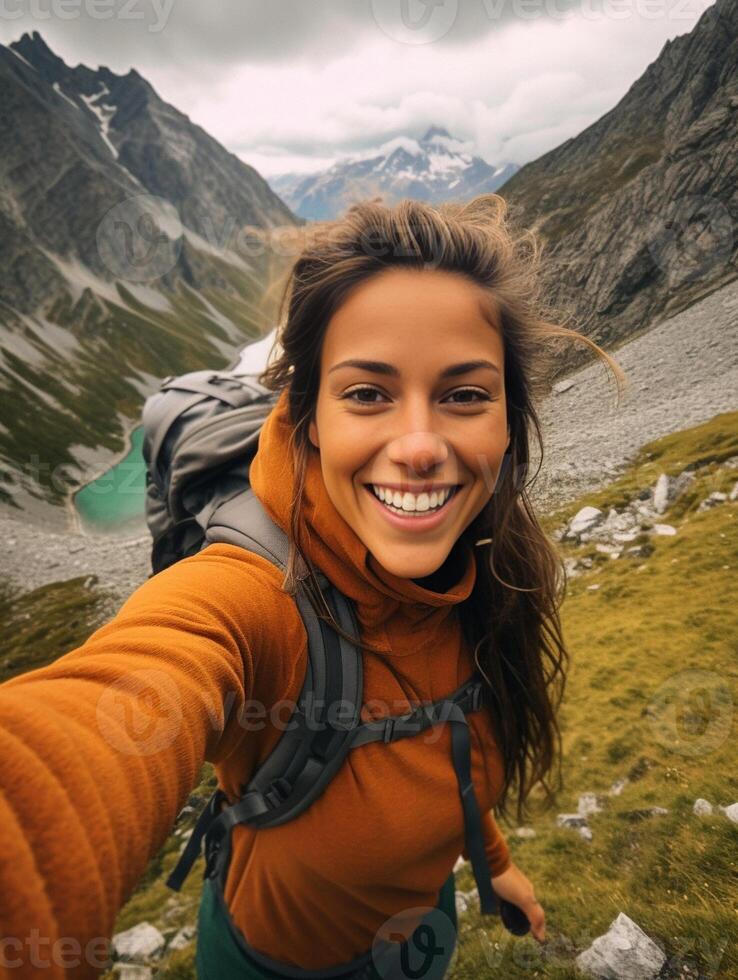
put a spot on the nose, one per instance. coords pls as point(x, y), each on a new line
point(420, 452)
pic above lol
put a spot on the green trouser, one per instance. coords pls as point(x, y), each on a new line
point(425, 955)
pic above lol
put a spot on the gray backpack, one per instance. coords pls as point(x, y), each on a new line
point(201, 432)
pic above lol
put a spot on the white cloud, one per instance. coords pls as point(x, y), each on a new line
point(514, 87)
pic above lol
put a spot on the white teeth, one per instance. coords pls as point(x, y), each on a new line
point(411, 503)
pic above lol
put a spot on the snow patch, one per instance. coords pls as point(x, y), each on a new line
point(79, 278)
point(104, 113)
point(152, 298)
point(57, 89)
point(200, 243)
point(21, 58)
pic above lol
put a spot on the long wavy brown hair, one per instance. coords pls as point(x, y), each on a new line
point(511, 619)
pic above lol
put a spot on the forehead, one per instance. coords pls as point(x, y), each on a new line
point(416, 313)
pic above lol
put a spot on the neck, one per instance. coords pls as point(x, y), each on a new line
point(444, 577)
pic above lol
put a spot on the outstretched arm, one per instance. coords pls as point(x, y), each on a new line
point(99, 751)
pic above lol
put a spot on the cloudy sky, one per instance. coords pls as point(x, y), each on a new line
point(294, 85)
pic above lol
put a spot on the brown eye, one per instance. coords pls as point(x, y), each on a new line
point(363, 389)
point(480, 395)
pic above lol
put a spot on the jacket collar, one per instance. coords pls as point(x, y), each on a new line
point(333, 547)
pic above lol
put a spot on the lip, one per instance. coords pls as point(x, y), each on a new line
point(415, 523)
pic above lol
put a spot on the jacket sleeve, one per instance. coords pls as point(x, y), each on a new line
point(99, 751)
point(496, 849)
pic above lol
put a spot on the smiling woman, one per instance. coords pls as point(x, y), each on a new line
point(411, 458)
point(393, 465)
point(414, 347)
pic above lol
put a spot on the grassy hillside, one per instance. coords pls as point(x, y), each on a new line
point(638, 630)
point(635, 707)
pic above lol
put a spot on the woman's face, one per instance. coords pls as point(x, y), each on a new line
point(415, 419)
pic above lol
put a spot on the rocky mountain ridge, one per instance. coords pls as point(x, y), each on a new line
point(638, 211)
point(127, 240)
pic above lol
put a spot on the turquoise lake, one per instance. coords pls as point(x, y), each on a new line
point(114, 503)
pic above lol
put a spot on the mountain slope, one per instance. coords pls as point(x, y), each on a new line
point(435, 168)
point(638, 211)
point(133, 246)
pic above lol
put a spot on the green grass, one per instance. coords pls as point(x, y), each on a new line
point(91, 398)
point(40, 625)
point(632, 709)
point(635, 706)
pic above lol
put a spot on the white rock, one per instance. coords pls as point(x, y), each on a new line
point(571, 820)
point(524, 832)
point(664, 529)
point(588, 804)
point(731, 812)
point(132, 971)
point(625, 952)
point(661, 494)
point(584, 519)
point(585, 833)
point(561, 386)
point(139, 942)
point(733, 495)
point(703, 808)
point(182, 938)
point(713, 500)
point(624, 536)
point(618, 786)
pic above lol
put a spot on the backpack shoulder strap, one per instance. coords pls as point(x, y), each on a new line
point(314, 742)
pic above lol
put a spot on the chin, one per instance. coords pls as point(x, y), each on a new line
point(409, 569)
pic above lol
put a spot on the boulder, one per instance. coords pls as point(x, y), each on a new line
point(731, 812)
point(132, 971)
point(713, 500)
point(703, 808)
point(588, 803)
point(664, 529)
point(574, 820)
point(583, 520)
point(182, 938)
point(141, 942)
point(524, 832)
point(662, 493)
point(625, 952)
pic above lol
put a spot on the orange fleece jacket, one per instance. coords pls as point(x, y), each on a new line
point(100, 750)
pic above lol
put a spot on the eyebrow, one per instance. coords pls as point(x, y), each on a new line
point(381, 367)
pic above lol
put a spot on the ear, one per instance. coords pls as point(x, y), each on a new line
point(313, 434)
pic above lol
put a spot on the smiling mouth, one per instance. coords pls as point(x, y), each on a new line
point(401, 512)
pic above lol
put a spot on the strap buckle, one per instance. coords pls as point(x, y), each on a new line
point(476, 697)
point(389, 729)
point(277, 792)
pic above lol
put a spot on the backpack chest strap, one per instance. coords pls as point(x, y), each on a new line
point(467, 698)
